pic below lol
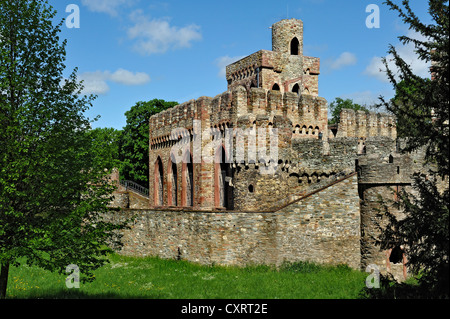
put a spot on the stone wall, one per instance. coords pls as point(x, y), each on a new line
point(361, 124)
point(381, 176)
point(322, 226)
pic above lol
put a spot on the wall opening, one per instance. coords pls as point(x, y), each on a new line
point(275, 87)
point(222, 180)
point(172, 185)
point(251, 189)
point(159, 180)
point(295, 44)
point(187, 191)
point(396, 256)
point(296, 88)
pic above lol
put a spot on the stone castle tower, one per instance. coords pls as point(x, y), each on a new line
point(318, 201)
point(283, 69)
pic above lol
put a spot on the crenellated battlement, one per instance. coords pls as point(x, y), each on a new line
point(306, 113)
point(365, 124)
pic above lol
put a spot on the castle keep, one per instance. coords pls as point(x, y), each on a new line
point(317, 203)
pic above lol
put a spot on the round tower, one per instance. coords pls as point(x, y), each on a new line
point(382, 178)
point(287, 37)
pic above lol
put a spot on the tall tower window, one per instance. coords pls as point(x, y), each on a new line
point(294, 46)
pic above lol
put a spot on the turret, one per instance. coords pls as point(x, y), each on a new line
point(287, 37)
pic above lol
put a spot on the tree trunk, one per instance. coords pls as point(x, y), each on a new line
point(3, 280)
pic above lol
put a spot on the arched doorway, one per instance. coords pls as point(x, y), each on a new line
point(172, 185)
point(187, 172)
point(159, 183)
point(222, 180)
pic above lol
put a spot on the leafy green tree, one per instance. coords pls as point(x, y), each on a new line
point(134, 143)
point(423, 105)
point(338, 104)
point(105, 143)
point(406, 127)
point(53, 191)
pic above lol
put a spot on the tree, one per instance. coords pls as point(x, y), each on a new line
point(424, 106)
point(135, 140)
point(338, 104)
point(406, 127)
point(105, 143)
point(53, 191)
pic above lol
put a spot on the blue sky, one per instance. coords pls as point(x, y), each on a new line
point(137, 50)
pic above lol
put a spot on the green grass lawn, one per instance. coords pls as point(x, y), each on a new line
point(154, 278)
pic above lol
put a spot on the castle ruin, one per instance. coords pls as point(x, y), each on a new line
point(317, 204)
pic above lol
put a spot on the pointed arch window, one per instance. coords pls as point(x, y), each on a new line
point(295, 46)
point(296, 88)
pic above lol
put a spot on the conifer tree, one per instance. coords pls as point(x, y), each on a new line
point(423, 106)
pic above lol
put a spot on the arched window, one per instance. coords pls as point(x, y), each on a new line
point(316, 131)
point(159, 182)
point(275, 87)
point(294, 46)
point(296, 88)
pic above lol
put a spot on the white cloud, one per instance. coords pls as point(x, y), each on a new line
point(345, 59)
point(377, 69)
point(129, 78)
point(223, 61)
point(365, 98)
point(158, 36)
point(110, 7)
point(96, 82)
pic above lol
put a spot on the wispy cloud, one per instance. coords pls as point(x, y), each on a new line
point(159, 36)
point(223, 61)
point(377, 69)
point(97, 82)
point(110, 7)
point(343, 60)
point(366, 98)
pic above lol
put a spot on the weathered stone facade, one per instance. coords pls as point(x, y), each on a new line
point(317, 203)
point(301, 230)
